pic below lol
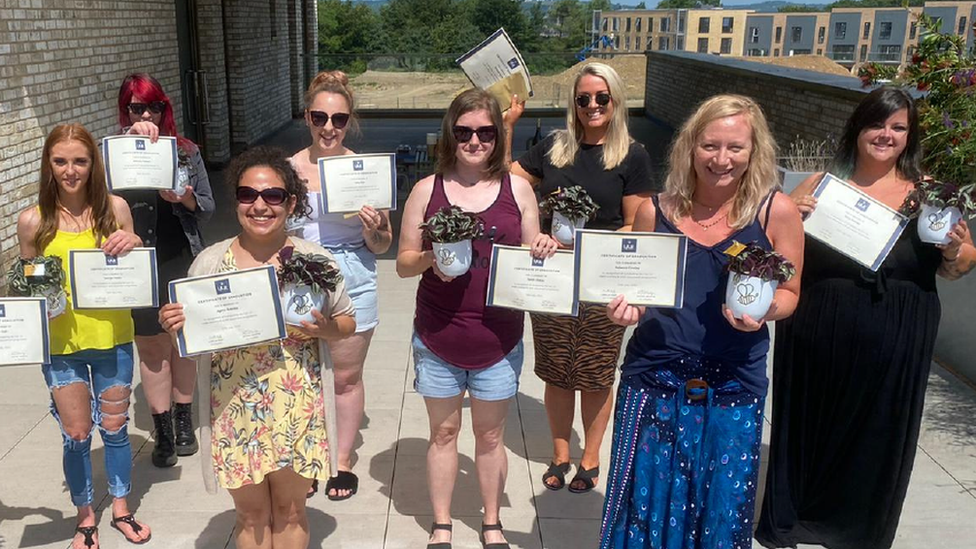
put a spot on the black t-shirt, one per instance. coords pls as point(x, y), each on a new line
point(606, 187)
point(170, 238)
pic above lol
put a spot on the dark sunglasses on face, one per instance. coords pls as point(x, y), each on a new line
point(320, 119)
point(486, 134)
point(272, 197)
point(583, 100)
point(156, 107)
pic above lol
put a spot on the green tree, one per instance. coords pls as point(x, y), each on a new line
point(640, 6)
point(490, 15)
point(874, 4)
point(687, 4)
point(345, 29)
point(800, 8)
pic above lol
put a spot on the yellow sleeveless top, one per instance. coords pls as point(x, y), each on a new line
point(74, 331)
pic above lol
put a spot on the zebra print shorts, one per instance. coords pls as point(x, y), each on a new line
point(577, 353)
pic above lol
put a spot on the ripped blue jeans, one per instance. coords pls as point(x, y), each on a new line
point(107, 374)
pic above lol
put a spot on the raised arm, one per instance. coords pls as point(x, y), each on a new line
point(411, 259)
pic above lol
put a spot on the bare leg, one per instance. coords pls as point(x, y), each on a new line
point(595, 407)
point(114, 403)
point(289, 522)
point(560, 409)
point(155, 362)
point(348, 356)
point(488, 423)
point(442, 459)
point(253, 506)
point(184, 376)
point(73, 403)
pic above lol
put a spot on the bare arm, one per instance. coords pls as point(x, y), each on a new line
point(629, 207)
point(802, 195)
point(27, 224)
point(959, 256)
point(411, 259)
point(785, 231)
point(377, 230)
point(124, 239)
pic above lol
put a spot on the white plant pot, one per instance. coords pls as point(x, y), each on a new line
point(453, 258)
point(182, 180)
point(57, 302)
point(934, 223)
point(790, 179)
point(749, 295)
point(299, 301)
point(564, 228)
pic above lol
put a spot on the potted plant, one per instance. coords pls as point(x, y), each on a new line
point(304, 281)
point(41, 276)
point(450, 232)
point(182, 172)
point(941, 205)
point(754, 274)
point(570, 208)
point(804, 157)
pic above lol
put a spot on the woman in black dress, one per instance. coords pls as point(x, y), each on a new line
point(851, 365)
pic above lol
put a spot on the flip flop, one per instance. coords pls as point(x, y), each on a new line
point(344, 480)
point(136, 528)
point(89, 533)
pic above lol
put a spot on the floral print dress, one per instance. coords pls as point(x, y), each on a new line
point(267, 409)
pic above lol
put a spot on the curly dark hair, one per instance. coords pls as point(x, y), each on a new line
point(277, 160)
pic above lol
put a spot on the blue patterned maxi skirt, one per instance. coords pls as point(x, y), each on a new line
point(685, 461)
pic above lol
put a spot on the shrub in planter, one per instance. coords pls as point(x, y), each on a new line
point(754, 274)
point(304, 281)
point(41, 276)
point(570, 209)
point(450, 232)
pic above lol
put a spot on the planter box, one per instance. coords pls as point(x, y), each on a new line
point(791, 179)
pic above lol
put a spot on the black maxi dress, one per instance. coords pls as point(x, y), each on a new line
point(849, 377)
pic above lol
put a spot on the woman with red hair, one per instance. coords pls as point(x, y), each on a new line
point(169, 221)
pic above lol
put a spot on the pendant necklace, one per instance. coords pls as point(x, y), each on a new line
point(716, 221)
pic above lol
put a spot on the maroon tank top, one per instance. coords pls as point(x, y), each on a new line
point(452, 319)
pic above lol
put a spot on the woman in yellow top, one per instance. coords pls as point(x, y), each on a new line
point(91, 351)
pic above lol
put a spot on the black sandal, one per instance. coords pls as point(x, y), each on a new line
point(585, 476)
point(489, 527)
point(89, 533)
point(557, 472)
point(136, 528)
point(344, 480)
point(441, 544)
point(314, 489)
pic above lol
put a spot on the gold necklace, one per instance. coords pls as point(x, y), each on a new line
point(716, 221)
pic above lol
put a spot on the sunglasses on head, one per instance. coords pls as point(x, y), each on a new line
point(272, 197)
point(583, 100)
point(320, 119)
point(486, 134)
point(155, 107)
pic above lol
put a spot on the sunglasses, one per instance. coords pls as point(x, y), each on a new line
point(486, 134)
point(320, 119)
point(583, 100)
point(156, 107)
point(272, 197)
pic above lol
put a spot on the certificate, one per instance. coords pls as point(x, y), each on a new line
point(100, 281)
point(228, 310)
point(519, 281)
point(853, 223)
point(647, 268)
point(134, 162)
point(496, 65)
point(23, 331)
point(353, 181)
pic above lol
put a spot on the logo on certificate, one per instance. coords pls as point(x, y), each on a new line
point(538, 262)
point(140, 144)
point(222, 286)
point(862, 204)
point(628, 246)
point(357, 165)
point(3, 311)
point(513, 63)
point(112, 260)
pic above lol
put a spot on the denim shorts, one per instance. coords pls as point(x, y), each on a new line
point(436, 378)
point(98, 369)
point(358, 266)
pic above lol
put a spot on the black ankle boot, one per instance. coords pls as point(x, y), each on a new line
point(164, 453)
point(186, 441)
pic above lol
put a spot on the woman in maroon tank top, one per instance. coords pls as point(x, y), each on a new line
point(459, 344)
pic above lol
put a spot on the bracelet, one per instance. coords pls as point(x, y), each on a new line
point(947, 260)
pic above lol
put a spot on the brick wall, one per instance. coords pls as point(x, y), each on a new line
point(210, 27)
point(63, 62)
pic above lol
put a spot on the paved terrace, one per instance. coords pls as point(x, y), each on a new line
point(391, 510)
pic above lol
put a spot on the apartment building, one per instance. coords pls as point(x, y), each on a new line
point(885, 35)
point(786, 34)
point(715, 31)
point(957, 17)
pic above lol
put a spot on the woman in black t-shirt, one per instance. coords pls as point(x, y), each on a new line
point(580, 353)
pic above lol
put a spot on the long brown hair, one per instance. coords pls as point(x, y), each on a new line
point(96, 190)
point(467, 101)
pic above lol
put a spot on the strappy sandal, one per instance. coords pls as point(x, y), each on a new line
point(557, 472)
point(344, 480)
point(585, 476)
point(488, 528)
point(136, 528)
point(313, 489)
point(441, 544)
point(89, 533)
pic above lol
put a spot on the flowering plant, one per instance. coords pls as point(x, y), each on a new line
point(452, 224)
point(573, 202)
point(751, 260)
point(317, 272)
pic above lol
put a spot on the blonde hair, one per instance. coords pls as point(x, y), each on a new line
point(759, 178)
point(618, 140)
point(333, 82)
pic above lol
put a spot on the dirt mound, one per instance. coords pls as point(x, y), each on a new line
point(632, 68)
point(817, 63)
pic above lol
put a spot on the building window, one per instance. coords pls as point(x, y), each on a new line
point(842, 53)
point(703, 45)
point(616, 42)
point(819, 51)
point(756, 52)
point(884, 30)
point(681, 23)
point(776, 52)
point(273, 17)
point(628, 25)
point(665, 24)
point(796, 34)
point(638, 24)
point(753, 35)
point(727, 24)
point(913, 31)
point(704, 24)
point(726, 46)
point(604, 23)
point(650, 25)
point(800, 52)
point(821, 35)
point(616, 24)
point(840, 31)
point(779, 34)
point(663, 43)
point(962, 26)
point(680, 46)
point(627, 43)
point(864, 52)
point(867, 30)
point(889, 53)
point(638, 41)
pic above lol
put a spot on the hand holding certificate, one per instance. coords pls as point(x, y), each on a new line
point(100, 281)
point(135, 162)
point(853, 223)
point(520, 281)
point(228, 310)
point(353, 181)
point(496, 65)
point(24, 331)
point(646, 268)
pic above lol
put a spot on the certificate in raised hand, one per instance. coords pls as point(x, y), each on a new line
point(23, 331)
point(853, 223)
point(496, 65)
point(353, 181)
point(135, 162)
point(648, 269)
point(519, 281)
point(100, 281)
point(228, 310)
